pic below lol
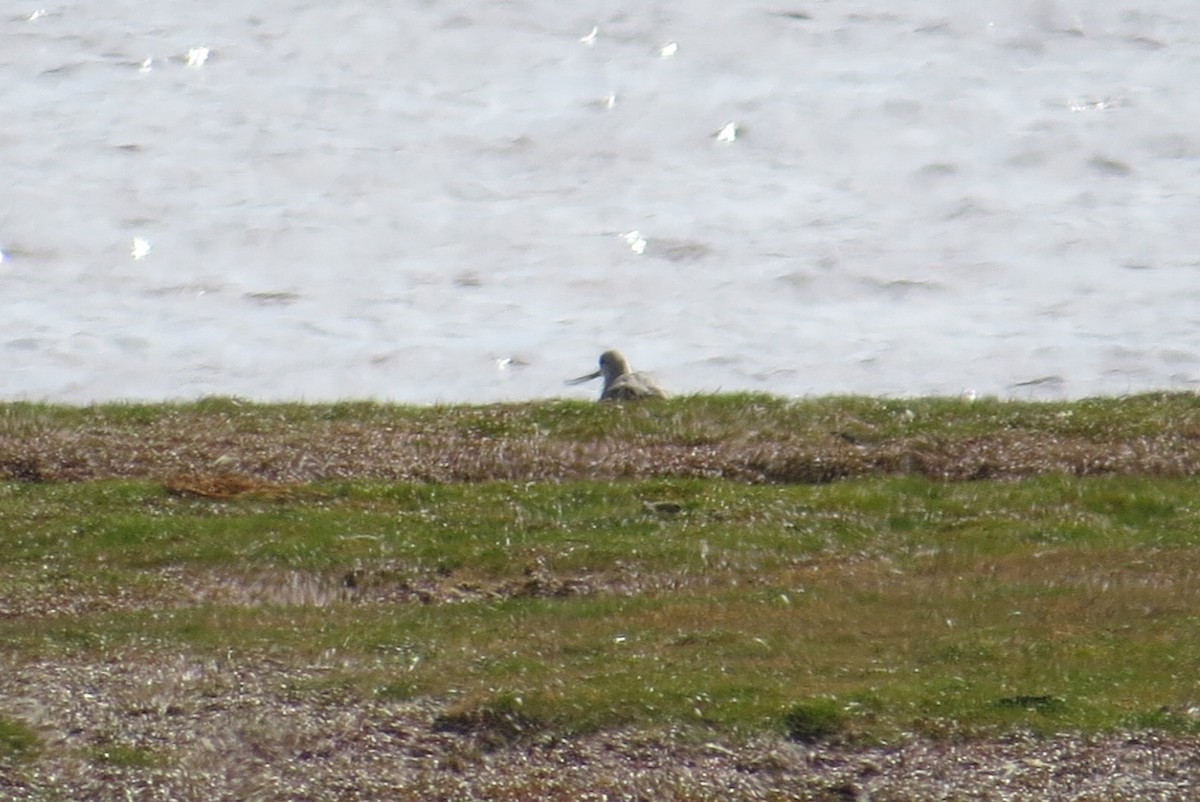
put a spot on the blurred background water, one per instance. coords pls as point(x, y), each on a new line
point(465, 202)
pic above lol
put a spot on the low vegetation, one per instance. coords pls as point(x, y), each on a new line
point(732, 580)
point(744, 438)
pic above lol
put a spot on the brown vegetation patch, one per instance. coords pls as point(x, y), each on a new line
point(56, 594)
point(386, 583)
point(187, 728)
point(378, 584)
point(492, 725)
point(18, 468)
point(222, 486)
point(199, 455)
point(999, 455)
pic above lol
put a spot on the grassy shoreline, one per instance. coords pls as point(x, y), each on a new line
point(841, 571)
point(738, 437)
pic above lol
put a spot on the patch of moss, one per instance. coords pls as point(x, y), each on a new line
point(17, 740)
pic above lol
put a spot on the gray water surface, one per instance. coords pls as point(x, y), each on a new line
point(445, 201)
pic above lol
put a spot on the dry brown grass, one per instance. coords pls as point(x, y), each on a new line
point(222, 449)
point(183, 729)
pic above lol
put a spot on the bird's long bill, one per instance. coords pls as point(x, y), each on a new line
point(586, 378)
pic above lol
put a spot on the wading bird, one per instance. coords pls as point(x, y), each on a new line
point(621, 383)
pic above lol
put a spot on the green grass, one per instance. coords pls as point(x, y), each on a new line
point(697, 418)
point(16, 740)
point(864, 608)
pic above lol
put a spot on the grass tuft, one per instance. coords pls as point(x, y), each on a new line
point(17, 740)
point(499, 722)
point(815, 721)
